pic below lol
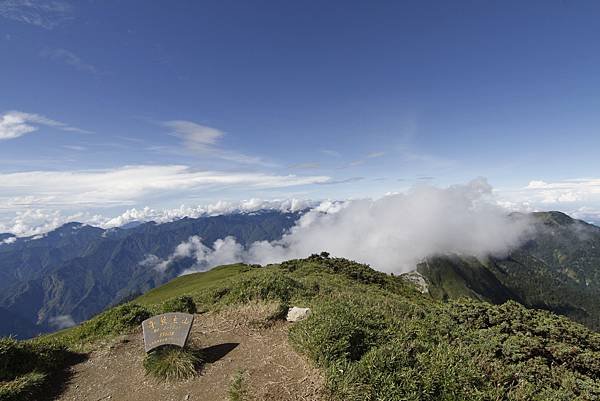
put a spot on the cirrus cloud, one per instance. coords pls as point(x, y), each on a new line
point(128, 185)
point(14, 124)
point(42, 13)
point(203, 140)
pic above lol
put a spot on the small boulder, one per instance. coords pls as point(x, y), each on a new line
point(296, 314)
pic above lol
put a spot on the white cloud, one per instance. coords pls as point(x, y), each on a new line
point(577, 197)
point(330, 152)
point(203, 140)
point(223, 251)
point(127, 185)
point(69, 58)
point(37, 202)
point(43, 13)
point(343, 181)
point(586, 213)
point(575, 190)
point(35, 221)
point(194, 136)
point(62, 321)
point(392, 233)
point(10, 240)
point(360, 162)
point(306, 166)
point(14, 124)
point(218, 208)
point(374, 155)
point(395, 232)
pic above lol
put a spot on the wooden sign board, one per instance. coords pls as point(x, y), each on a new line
point(168, 328)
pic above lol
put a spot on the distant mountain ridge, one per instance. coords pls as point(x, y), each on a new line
point(78, 270)
point(557, 270)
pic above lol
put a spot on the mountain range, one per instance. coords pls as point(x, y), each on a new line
point(76, 271)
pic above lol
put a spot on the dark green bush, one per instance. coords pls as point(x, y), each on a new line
point(184, 304)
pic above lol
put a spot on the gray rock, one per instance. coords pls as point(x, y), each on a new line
point(418, 280)
point(296, 314)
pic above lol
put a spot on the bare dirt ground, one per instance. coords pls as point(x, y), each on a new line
point(233, 340)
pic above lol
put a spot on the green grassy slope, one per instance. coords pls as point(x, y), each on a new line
point(191, 283)
point(558, 269)
point(377, 338)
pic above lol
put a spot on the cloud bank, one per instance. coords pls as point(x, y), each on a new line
point(392, 234)
point(31, 222)
point(127, 185)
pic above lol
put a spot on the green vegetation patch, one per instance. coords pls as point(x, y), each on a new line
point(377, 338)
point(27, 369)
point(381, 348)
point(172, 363)
point(191, 283)
point(237, 389)
point(183, 304)
point(118, 320)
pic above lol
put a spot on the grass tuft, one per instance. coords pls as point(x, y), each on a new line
point(171, 363)
point(24, 387)
point(27, 369)
point(237, 389)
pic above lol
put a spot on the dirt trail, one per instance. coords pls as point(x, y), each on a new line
point(233, 342)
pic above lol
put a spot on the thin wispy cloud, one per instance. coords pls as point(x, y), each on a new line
point(194, 136)
point(374, 155)
point(431, 161)
point(46, 14)
point(15, 124)
point(360, 162)
point(128, 185)
point(305, 166)
point(342, 181)
point(68, 58)
point(330, 152)
point(203, 140)
point(75, 147)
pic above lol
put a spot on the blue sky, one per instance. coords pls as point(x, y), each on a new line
point(112, 105)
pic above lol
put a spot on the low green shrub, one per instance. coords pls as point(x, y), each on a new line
point(354, 330)
point(27, 368)
point(379, 348)
point(118, 320)
point(183, 304)
point(262, 284)
point(20, 357)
